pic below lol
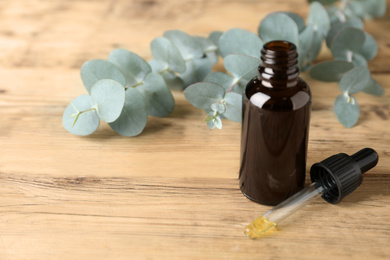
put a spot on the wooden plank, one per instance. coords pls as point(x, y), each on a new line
point(172, 192)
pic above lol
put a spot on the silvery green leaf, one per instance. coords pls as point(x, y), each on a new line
point(108, 97)
point(132, 66)
point(157, 66)
point(359, 60)
point(241, 67)
point(233, 106)
point(297, 19)
point(209, 48)
point(369, 48)
point(80, 117)
point(217, 122)
point(159, 100)
point(134, 115)
point(279, 26)
point(223, 79)
point(187, 45)
point(165, 52)
point(173, 82)
point(368, 9)
point(240, 41)
point(338, 26)
point(305, 45)
point(324, 2)
point(315, 48)
point(218, 107)
point(355, 80)
point(94, 70)
point(319, 18)
point(210, 124)
point(203, 94)
point(197, 70)
point(373, 88)
point(347, 40)
point(330, 71)
point(214, 37)
point(332, 13)
point(347, 110)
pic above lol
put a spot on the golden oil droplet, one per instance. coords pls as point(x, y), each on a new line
point(258, 227)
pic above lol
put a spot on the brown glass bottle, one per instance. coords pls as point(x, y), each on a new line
point(275, 127)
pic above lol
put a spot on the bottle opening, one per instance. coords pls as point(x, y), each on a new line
point(277, 46)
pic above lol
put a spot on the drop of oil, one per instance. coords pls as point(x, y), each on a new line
point(258, 227)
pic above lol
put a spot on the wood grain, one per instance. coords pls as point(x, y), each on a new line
point(172, 192)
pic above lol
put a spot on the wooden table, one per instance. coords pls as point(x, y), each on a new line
point(172, 192)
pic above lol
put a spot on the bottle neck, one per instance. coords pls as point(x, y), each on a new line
point(279, 67)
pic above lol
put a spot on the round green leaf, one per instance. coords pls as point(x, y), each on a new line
point(218, 107)
point(279, 26)
point(158, 98)
point(80, 117)
point(368, 8)
point(172, 81)
point(297, 19)
point(359, 60)
point(240, 41)
point(369, 48)
point(330, 71)
point(187, 45)
point(241, 67)
point(217, 122)
point(355, 80)
point(94, 70)
point(167, 53)
point(315, 47)
point(305, 45)
point(220, 78)
point(319, 18)
point(373, 88)
point(214, 37)
point(337, 26)
point(233, 106)
point(347, 40)
point(197, 70)
point(203, 94)
point(347, 110)
point(134, 115)
point(132, 66)
point(108, 97)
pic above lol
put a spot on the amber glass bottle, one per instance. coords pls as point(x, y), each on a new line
point(275, 127)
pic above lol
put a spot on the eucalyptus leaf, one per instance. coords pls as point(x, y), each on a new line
point(197, 70)
point(165, 52)
point(158, 98)
point(370, 48)
point(338, 26)
point(347, 40)
point(210, 124)
point(203, 94)
point(305, 45)
point(233, 106)
point(241, 67)
point(157, 66)
point(223, 79)
point(214, 37)
point(209, 48)
point(347, 110)
point(172, 81)
point(359, 60)
point(187, 45)
point(330, 71)
point(368, 8)
point(315, 48)
point(94, 70)
point(355, 80)
point(279, 26)
point(134, 115)
point(373, 88)
point(319, 18)
point(297, 19)
point(240, 41)
point(80, 117)
point(218, 107)
point(132, 66)
point(108, 97)
point(217, 122)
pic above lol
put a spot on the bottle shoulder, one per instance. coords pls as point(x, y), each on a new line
point(280, 99)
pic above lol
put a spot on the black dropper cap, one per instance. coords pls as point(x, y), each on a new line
point(341, 174)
